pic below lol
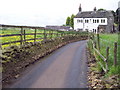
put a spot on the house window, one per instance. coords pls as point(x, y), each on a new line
point(93, 20)
point(97, 20)
point(78, 21)
point(81, 21)
point(102, 20)
point(86, 21)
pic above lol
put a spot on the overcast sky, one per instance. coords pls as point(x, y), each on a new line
point(47, 12)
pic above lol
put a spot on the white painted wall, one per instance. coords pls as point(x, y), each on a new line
point(90, 25)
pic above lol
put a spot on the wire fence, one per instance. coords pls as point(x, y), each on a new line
point(107, 50)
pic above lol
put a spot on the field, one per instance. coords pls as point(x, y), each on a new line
point(10, 31)
point(18, 35)
point(108, 40)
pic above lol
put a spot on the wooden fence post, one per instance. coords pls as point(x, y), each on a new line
point(95, 45)
point(35, 35)
point(115, 53)
point(21, 41)
point(93, 36)
point(49, 34)
point(98, 41)
point(24, 36)
point(61, 33)
point(107, 57)
point(44, 33)
point(57, 33)
point(52, 34)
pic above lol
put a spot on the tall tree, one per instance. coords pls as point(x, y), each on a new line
point(68, 21)
point(72, 21)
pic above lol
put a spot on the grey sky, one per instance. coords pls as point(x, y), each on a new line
point(47, 12)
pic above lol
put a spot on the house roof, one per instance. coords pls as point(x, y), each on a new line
point(58, 27)
point(94, 14)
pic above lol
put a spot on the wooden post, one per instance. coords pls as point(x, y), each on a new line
point(57, 33)
point(21, 36)
point(35, 35)
point(44, 33)
point(98, 41)
point(24, 36)
point(49, 34)
point(95, 45)
point(61, 34)
point(107, 57)
point(93, 36)
point(115, 53)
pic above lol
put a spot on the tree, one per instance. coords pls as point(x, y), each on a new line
point(72, 21)
point(68, 21)
point(117, 16)
point(101, 9)
point(63, 25)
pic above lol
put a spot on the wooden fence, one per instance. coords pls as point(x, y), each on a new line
point(45, 33)
point(96, 48)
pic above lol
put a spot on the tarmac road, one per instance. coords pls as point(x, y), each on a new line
point(64, 68)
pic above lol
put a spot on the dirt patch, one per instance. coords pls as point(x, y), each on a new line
point(97, 79)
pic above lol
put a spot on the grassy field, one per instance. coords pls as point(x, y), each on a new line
point(108, 40)
point(8, 31)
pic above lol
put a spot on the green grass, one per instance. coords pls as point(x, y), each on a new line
point(108, 40)
point(7, 31)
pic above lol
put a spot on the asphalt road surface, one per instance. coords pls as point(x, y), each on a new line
point(64, 68)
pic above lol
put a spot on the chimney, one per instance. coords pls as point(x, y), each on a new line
point(95, 9)
point(80, 9)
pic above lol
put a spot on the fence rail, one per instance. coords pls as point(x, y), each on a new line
point(36, 32)
point(96, 46)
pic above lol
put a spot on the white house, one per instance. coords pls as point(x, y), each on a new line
point(91, 20)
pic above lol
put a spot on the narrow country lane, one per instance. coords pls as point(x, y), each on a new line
point(64, 68)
